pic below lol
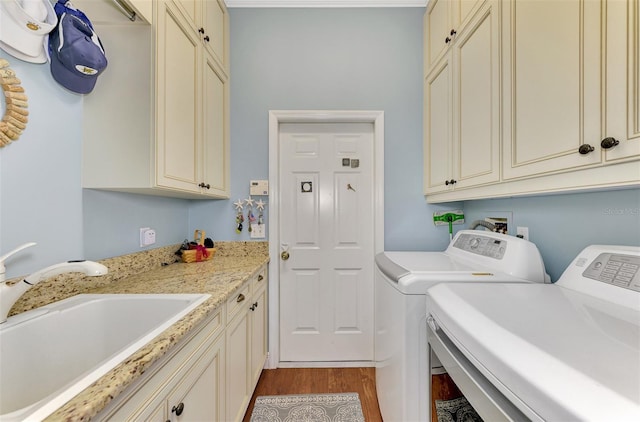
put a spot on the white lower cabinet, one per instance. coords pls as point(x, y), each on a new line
point(212, 375)
point(186, 385)
point(259, 346)
point(198, 395)
point(246, 344)
point(238, 338)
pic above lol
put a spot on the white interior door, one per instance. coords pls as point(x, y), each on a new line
point(326, 174)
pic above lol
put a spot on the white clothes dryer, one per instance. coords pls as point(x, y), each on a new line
point(403, 361)
point(569, 351)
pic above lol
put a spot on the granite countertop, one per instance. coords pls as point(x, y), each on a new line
point(220, 277)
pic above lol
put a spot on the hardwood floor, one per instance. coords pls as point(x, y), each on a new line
point(443, 388)
point(320, 380)
point(282, 381)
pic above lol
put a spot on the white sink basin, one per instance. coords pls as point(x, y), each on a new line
point(52, 353)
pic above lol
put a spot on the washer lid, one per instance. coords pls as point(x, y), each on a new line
point(416, 261)
point(415, 272)
point(565, 354)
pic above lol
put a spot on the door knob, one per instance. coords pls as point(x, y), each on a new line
point(284, 255)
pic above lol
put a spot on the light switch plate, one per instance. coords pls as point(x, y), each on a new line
point(258, 231)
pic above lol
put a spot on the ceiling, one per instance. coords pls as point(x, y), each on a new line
point(326, 3)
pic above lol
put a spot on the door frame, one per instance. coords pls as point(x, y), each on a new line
point(276, 117)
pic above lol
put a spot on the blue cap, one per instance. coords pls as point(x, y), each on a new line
point(65, 6)
point(77, 55)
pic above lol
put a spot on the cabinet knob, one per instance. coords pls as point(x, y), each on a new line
point(201, 30)
point(453, 32)
point(260, 277)
point(206, 186)
point(447, 40)
point(252, 307)
point(585, 149)
point(608, 143)
point(450, 182)
point(206, 38)
point(178, 409)
point(240, 298)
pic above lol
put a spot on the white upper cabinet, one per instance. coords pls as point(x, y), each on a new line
point(209, 19)
point(622, 86)
point(438, 125)
point(166, 96)
point(462, 107)
point(443, 21)
point(216, 30)
point(552, 86)
point(178, 121)
point(563, 80)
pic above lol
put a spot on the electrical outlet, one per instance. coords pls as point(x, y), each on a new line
point(147, 236)
point(523, 232)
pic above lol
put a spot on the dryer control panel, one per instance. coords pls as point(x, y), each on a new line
point(617, 269)
point(481, 245)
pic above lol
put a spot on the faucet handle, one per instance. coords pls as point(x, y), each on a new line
point(9, 254)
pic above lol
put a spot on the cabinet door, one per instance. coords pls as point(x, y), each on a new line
point(477, 89)
point(215, 26)
point(190, 9)
point(463, 11)
point(438, 24)
point(444, 21)
point(623, 80)
point(238, 340)
point(259, 319)
point(178, 73)
point(199, 395)
point(437, 128)
point(552, 85)
point(215, 166)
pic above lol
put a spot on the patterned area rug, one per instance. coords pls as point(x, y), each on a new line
point(456, 410)
point(344, 407)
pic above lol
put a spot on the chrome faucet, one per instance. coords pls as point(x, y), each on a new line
point(9, 294)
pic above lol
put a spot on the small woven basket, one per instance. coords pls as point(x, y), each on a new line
point(200, 253)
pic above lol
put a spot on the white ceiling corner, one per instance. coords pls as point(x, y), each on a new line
point(326, 3)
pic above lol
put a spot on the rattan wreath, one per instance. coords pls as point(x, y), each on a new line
point(15, 117)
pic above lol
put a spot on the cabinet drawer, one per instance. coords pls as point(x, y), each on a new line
point(237, 301)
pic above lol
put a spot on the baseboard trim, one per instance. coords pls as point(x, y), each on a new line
point(339, 364)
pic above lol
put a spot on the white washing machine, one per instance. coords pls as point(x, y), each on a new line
point(569, 351)
point(403, 362)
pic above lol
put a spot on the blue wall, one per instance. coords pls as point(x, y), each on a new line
point(562, 225)
point(338, 59)
point(41, 198)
